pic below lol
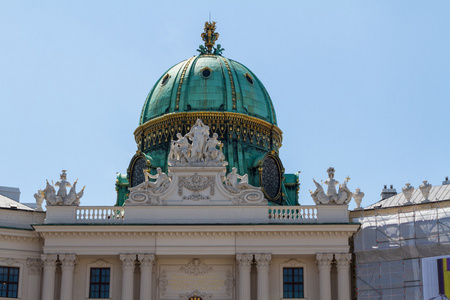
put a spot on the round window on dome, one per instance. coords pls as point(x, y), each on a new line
point(249, 78)
point(165, 79)
point(206, 72)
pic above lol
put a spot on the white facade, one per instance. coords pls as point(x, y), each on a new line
point(153, 255)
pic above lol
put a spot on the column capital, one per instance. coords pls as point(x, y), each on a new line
point(34, 266)
point(324, 260)
point(263, 260)
point(146, 260)
point(68, 261)
point(244, 261)
point(343, 260)
point(49, 260)
point(128, 261)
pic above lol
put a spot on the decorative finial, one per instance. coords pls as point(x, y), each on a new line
point(210, 36)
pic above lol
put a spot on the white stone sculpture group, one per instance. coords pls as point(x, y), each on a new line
point(343, 196)
point(60, 198)
point(202, 151)
point(205, 182)
point(161, 183)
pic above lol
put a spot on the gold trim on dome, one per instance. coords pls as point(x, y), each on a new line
point(233, 90)
point(177, 101)
point(228, 125)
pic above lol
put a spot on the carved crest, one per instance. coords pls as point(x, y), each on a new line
point(196, 183)
point(196, 267)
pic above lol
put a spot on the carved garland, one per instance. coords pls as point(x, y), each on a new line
point(196, 183)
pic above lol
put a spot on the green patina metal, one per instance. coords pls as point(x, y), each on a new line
point(227, 88)
point(212, 83)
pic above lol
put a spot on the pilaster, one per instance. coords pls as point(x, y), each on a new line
point(128, 262)
point(343, 268)
point(324, 263)
point(146, 261)
point(67, 268)
point(244, 262)
point(262, 266)
point(34, 266)
point(49, 262)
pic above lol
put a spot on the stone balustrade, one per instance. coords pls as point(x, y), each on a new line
point(297, 214)
point(100, 213)
point(197, 214)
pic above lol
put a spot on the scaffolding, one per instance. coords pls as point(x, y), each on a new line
point(391, 244)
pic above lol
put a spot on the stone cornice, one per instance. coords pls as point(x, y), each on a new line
point(10, 235)
point(190, 234)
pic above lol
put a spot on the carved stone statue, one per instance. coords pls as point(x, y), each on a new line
point(331, 183)
point(161, 183)
point(198, 135)
point(60, 198)
point(201, 152)
point(232, 182)
point(212, 153)
point(148, 192)
point(63, 184)
point(343, 196)
point(180, 150)
point(39, 196)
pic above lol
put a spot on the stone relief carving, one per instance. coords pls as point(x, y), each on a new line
point(8, 261)
point(194, 293)
point(196, 183)
point(163, 281)
point(343, 196)
point(294, 262)
point(148, 191)
point(229, 282)
point(99, 262)
point(60, 198)
point(196, 267)
point(34, 266)
point(202, 151)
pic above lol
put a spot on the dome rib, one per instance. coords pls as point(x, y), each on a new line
point(188, 90)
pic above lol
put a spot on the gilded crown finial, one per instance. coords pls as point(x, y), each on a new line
point(210, 36)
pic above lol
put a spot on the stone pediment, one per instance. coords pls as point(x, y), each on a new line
point(189, 185)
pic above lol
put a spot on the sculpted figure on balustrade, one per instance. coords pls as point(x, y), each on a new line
point(342, 196)
point(61, 197)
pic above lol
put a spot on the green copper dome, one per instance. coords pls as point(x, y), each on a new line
point(209, 82)
point(232, 102)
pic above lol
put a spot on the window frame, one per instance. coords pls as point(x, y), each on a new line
point(102, 264)
point(8, 282)
point(293, 263)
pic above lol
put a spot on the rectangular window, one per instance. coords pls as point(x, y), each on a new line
point(293, 283)
point(99, 283)
point(9, 282)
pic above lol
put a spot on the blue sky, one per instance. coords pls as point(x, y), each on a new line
point(362, 86)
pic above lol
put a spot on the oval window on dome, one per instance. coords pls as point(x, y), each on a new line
point(206, 72)
point(165, 79)
point(249, 78)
